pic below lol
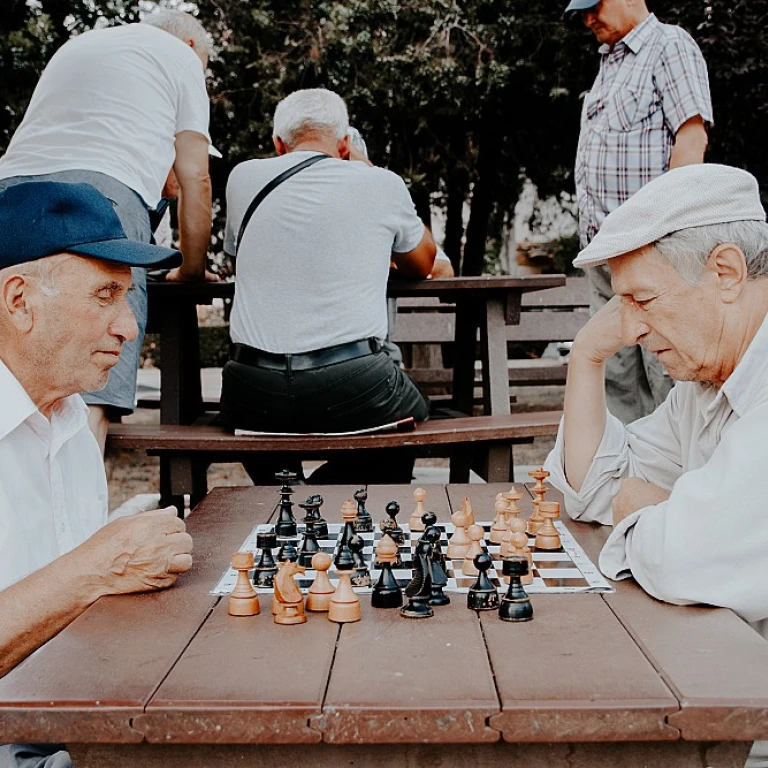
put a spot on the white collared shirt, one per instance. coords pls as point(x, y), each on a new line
point(708, 543)
point(53, 489)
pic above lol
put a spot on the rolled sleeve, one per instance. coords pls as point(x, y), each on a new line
point(683, 83)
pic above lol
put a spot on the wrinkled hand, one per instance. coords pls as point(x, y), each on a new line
point(141, 553)
point(602, 336)
point(636, 494)
point(177, 275)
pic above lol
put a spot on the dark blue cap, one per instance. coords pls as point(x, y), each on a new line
point(580, 5)
point(42, 218)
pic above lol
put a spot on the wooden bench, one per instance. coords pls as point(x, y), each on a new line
point(424, 329)
point(471, 441)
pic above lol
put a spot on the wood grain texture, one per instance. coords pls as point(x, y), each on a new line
point(398, 680)
point(573, 669)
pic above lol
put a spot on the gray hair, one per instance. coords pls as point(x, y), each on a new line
point(310, 111)
point(182, 25)
point(41, 269)
point(687, 250)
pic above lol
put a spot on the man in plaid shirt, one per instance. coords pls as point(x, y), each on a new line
point(647, 112)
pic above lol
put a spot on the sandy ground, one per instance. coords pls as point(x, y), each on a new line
point(130, 473)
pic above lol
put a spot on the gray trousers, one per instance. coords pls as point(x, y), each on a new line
point(635, 381)
point(34, 756)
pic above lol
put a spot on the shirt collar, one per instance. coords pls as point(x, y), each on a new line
point(746, 386)
point(637, 37)
point(70, 413)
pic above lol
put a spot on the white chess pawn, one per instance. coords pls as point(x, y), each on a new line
point(415, 523)
point(499, 525)
point(475, 533)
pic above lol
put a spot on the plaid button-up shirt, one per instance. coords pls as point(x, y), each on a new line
point(649, 84)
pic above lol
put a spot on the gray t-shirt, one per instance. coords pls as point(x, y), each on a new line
point(313, 265)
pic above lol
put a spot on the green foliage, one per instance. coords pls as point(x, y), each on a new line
point(463, 99)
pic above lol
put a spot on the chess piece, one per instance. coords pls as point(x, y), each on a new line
point(437, 569)
point(344, 607)
point(512, 497)
point(548, 538)
point(386, 592)
point(288, 605)
point(459, 542)
point(506, 543)
point(309, 547)
point(321, 591)
point(286, 525)
point(467, 506)
point(287, 552)
point(243, 601)
point(475, 533)
point(419, 590)
point(427, 519)
point(311, 508)
point(482, 595)
point(499, 524)
point(519, 547)
point(415, 523)
point(363, 521)
point(348, 515)
point(264, 571)
point(395, 531)
point(539, 490)
point(360, 576)
point(515, 605)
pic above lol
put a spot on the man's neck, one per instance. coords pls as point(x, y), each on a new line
point(317, 145)
point(43, 398)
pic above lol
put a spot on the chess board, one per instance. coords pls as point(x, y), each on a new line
point(566, 571)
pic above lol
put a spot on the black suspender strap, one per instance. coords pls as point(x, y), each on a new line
point(267, 188)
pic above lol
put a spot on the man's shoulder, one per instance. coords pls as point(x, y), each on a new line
point(674, 36)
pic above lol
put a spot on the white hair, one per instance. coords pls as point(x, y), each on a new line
point(688, 250)
point(41, 269)
point(182, 25)
point(310, 111)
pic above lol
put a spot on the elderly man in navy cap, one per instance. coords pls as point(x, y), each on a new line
point(65, 270)
point(647, 112)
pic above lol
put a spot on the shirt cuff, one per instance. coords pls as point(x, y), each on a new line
point(613, 560)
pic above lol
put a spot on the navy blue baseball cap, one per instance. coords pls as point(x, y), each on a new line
point(580, 5)
point(42, 218)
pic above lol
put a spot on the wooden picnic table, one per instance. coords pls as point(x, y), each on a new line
point(170, 679)
point(483, 304)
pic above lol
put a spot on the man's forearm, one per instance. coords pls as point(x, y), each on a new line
point(584, 415)
point(690, 144)
point(195, 226)
point(31, 612)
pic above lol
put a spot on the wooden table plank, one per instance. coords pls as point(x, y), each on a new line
point(119, 663)
point(397, 680)
point(574, 670)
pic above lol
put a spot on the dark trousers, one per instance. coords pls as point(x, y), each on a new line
point(364, 392)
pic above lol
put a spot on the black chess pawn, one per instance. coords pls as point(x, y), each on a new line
point(437, 570)
point(361, 576)
point(363, 521)
point(419, 590)
point(288, 551)
point(286, 525)
point(264, 571)
point(395, 532)
point(309, 547)
point(515, 605)
point(386, 592)
point(482, 595)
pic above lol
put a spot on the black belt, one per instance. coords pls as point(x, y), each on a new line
point(246, 355)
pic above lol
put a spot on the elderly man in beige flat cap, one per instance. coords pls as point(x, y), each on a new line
point(685, 487)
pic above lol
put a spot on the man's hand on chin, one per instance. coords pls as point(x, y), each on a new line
point(636, 494)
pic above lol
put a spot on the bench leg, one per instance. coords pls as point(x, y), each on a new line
point(180, 475)
point(460, 464)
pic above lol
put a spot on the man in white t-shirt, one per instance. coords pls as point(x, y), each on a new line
point(64, 317)
point(117, 108)
point(310, 313)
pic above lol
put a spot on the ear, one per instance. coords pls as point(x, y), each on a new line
point(280, 146)
point(15, 302)
point(343, 148)
point(729, 266)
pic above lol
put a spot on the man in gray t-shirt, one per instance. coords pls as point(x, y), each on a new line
point(309, 316)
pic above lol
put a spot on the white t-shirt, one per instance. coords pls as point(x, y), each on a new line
point(313, 265)
point(112, 100)
point(53, 490)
